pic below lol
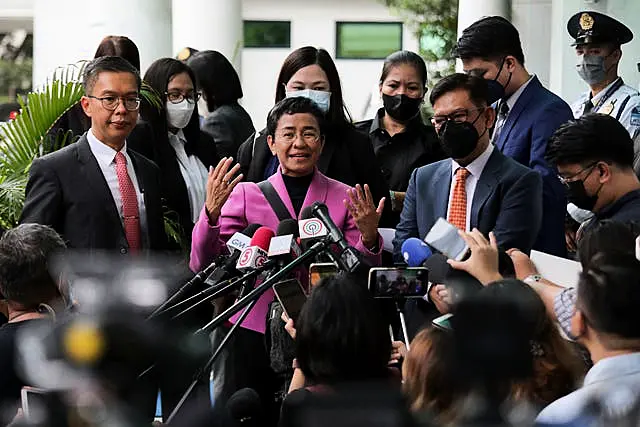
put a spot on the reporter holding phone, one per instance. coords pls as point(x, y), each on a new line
point(295, 128)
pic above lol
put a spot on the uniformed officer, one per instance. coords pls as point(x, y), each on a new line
point(598, 39)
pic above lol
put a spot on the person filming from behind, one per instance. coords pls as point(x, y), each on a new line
point(295, 129)
point(31, 292)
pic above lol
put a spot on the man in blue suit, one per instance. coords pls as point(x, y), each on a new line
point(477, 187)
point(528, 114)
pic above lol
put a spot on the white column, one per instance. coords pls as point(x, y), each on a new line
point(209, 25)
point(469, 11)
point(66, 31)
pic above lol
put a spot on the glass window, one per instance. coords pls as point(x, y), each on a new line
point(367, 40)
point(267, 34)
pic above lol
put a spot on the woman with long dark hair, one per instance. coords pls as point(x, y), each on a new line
point(171, 137)
point(347, 155)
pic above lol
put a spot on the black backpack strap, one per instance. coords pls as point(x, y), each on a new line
point(274, 200)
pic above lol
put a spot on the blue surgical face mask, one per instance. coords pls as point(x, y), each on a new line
point(320, 97)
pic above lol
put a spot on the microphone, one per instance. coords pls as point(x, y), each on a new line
point(284, 245)
point(349, 258)
point(254, 256)
point(245, 408)
point(415, 252)
point(237, 243)
point(309, 226)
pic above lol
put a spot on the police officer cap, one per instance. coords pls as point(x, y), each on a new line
point(593, 27)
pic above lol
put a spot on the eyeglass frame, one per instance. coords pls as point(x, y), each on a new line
point(196, 97)
point(119, 98)
point(448, 116)
point(566, 181)
point(316, 139)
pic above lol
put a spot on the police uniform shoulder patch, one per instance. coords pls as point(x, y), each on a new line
point(635, 116)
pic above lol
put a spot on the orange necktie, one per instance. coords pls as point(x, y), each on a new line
point(458, 204)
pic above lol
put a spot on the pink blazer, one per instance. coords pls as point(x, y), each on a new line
point(247, 205)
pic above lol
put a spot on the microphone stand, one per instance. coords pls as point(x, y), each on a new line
point(247, 303)
point(198, 278)
point(216, 291)
point(264, 286)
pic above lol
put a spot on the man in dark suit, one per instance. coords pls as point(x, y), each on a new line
point(95, 192)
point(478, 187)
point(528, 114)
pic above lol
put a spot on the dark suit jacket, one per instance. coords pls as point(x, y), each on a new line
point(67, 191)
point(229, 125)
point(347, 157)
point(507, 201)
point(533, 119)
point(174, 189)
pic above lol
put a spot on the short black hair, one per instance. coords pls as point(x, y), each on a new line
point(294, 105)
point(114, 64)
point(591, 138)
point(490, 39)
point(216, 77)
point(405, 57)
point(609, 294)
point(476, 87)
point(341, 336)
point(610, 237)
point(25, 252)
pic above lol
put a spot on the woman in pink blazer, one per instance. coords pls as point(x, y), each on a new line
point(294, 128)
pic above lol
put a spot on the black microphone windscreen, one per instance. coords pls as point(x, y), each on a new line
point(245, 405)
point(250, 230)
point(307, 213)
point(288, 226)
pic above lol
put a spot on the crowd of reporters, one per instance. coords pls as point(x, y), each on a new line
point(512, 348)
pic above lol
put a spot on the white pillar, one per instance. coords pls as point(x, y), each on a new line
point(209, 25)
point(469, 11)
point(66, 31)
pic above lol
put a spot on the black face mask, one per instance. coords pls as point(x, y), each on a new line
point(401, 107)
point(496, 90)
point(577, 195)
point(458, 140)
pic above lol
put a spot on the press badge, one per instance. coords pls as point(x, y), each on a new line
point(635, 116)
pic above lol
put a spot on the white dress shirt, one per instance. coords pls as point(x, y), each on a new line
point(106, 157)
point(613, 381)
point(475, 169)
point(193, 172)
point(511, 102)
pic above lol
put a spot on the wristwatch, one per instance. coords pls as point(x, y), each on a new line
point(532, 279)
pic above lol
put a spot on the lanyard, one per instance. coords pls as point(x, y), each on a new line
point(617, 85)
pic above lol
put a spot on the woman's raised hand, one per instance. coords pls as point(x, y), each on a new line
point(365, 213)
point(220, 184)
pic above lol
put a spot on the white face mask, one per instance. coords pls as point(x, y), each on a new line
point(321, 98)
point(178, 115)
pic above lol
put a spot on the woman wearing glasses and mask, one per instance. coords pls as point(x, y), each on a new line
point(171, 137)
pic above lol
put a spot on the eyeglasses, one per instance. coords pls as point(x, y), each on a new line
point(178, 97)
point(308, 136)
point(567, 180)
point(131, 103)
point(459, 116)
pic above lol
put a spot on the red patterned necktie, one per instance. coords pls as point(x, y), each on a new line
point(458, 205)
point(129, 204)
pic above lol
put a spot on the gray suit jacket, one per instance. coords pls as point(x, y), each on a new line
point(507, 201)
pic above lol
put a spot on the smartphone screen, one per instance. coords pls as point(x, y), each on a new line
point(318, 271)
point(291, 297)
point(401, 282)
point(444, 237)
point(443, 322)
